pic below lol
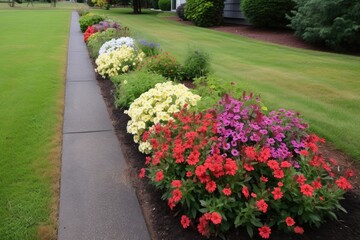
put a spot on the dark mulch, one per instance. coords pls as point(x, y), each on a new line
point(165, 224)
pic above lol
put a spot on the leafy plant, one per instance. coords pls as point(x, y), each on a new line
point(217, 189)
point(165, 5)
point(180, 10)
point(164, 65)
point(157, 106)
point(196, 65)
point(267, 13)
point(82, 11)
point(89, 20)
point(130, 86)
point(204, 13)
point(335, 23)
point(96, 40)
point(149, 48)
point(120, 60)
point(212, 89)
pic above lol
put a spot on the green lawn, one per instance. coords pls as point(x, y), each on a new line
point(33, 54)
point(324, 87)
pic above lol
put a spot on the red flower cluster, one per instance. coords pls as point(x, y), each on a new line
point(89, 31)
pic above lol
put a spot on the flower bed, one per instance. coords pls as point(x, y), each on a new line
point(234, 165)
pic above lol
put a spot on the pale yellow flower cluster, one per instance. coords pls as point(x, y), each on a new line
point(157, 106)
point(119, 61)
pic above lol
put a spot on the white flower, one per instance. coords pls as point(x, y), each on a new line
point(113, 44)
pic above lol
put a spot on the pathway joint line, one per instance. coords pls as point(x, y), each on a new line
point(95, 131)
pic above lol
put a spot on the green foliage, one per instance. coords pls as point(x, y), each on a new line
point(90, 3)
point(164, 65)
point(155, 4)
point(204, 13)
point(335, 23)
point(89, 20)
point(96, 40)
point(267, 13)
point(130, 86)
point(212, 89)
point(180, 10)
point(82, 11)
point(149, 48)
point(196, 65)
point(165, 5)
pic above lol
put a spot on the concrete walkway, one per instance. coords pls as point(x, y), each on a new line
point(96, 198)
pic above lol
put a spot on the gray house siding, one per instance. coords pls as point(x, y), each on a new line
point(232, 9)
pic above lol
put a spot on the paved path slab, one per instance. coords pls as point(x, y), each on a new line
point(97, 201)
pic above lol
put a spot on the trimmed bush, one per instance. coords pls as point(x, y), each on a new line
point(89, 20)
point(180, 10)
point(130, 86)
point(196, 65)
point(335, 23)
point(165, 5)
point(267, 13)
point(164, 65)
point(204, 13)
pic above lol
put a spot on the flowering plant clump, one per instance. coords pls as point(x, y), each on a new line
point(244, 123)
point(216, 191)
point(89, 32)
point(104, 25)
point(164, 65)
point(157, 106)
point(114, 44)
point(149, 48)
point(120, 60)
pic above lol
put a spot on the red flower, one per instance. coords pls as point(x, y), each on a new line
point(193, 157)
point(227, 191)
point(273, 164)
point(280, 184)
point(203, 226)
point(264, 155)
point(253, 195)
point(216, 218)
point(148, 160)
point(262, 205)
point(277, 193)
point(250, 153)
point(304, 152)
point(189, 173)
point(176, 195)
point(343, 184)
point(349, 173)
point(185, 221)
point(176, 183)
point(159, 176)
point(230, 167)
point(210, 186)
point(307, 190)
point(200, 171)
point(245, 191)
point(278, 173)
point(142, 173)
point(285, 164)
point(316, 184)
point(263, 179)
point(171, 203)
point(248, 167)
point(300, 179)
point(264, 231)
point(289, 221)
point(298, 230)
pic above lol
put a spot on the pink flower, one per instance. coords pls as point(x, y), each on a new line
point(142, 173)
point(185, 221)
point(216, 218)
point(289, 221)
point(159, 176)
point(227, 191)
point(210, 186)
point(262, 205)
point(264, 231)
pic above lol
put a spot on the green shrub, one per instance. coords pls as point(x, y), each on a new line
point(149, 48)
point(155, 4)
point(165, 5)
point(180, 10)
point(212, 89)
point(267, 13)
point(90, 3)
point(96, 40)
point(130, 86)
point(82, 11)
point(204, 13)
point(89, 20)
point(164, 65)
point(335, 23)
point(196, 65)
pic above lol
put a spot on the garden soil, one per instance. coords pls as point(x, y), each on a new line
point(164, 224)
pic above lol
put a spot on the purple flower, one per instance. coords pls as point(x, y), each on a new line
point(235, 152)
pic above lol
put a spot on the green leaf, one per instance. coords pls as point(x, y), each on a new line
point(341, 208)
point(332, 215)
point(249, 230)
point(256, 222)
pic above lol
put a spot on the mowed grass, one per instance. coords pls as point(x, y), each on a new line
point(33, 50)
point(323, 87)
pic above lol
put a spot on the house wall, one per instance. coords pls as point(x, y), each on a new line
point(231, 8)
